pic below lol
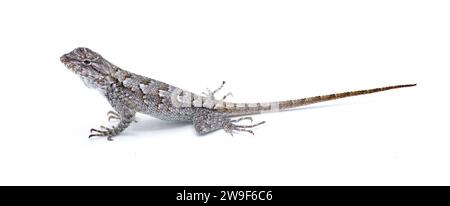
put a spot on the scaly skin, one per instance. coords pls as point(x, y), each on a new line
point(129, 93)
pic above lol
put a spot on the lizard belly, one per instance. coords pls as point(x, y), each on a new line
point(169, 112)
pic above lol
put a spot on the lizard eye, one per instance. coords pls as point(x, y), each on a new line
point(87, 62)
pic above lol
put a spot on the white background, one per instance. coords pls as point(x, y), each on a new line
point(265, 50)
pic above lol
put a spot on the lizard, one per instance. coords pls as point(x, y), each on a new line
point(130, 93)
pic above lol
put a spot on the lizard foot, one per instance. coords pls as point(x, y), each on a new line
point(242, 128)
point(210, 94)
point(103, 132)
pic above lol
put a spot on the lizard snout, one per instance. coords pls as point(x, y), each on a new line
point(64, 59)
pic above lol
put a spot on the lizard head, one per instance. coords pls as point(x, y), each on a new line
point(94, 70)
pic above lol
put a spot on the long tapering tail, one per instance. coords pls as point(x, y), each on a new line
point(236, 109)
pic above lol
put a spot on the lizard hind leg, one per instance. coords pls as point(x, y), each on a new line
point(206, 121)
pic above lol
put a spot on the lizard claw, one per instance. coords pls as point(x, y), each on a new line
point(103, 132)
point(210, 94)
point(229, 94)
point(112, 115)
point(207, 93)
point(242, 118)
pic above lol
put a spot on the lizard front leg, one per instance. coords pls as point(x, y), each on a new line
point(125, 119)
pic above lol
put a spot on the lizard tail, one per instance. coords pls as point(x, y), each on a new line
point(236, 109)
